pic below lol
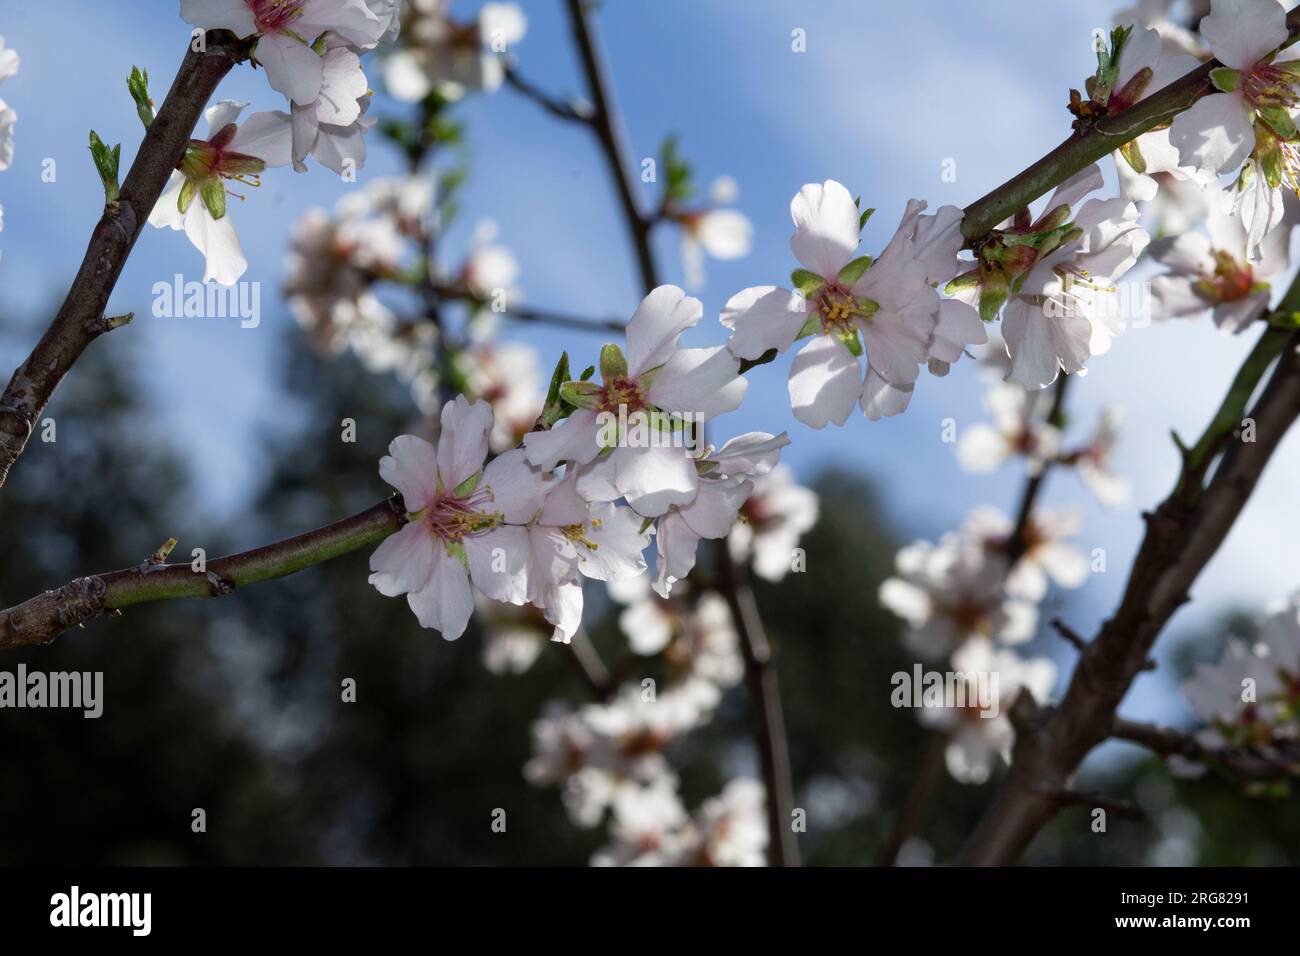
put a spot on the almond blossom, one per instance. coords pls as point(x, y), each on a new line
point(663, 382)
point(694, 634)
point(1015, 430)
point(9, 63)
point(466, 521)
point(976, 740)
point(776, 515)
point(443, 55)
point(953, 591)
point(287, 30)
point(1256, 86)
point(846, 303)
point(712, 230)
point(195, 198)
point(1063, 311)
point(1093, 461)
point(1211, 272)
point(1046, 553)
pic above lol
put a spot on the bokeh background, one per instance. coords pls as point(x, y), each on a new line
point(227, 438)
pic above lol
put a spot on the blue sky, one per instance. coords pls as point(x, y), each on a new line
point(883, 96)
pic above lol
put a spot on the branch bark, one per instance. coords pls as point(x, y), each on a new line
point(1241, 766)
point(81, 320)
point(1182, 534)
point(44, 617)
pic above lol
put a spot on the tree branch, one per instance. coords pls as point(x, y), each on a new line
point(81, 318)
point(1083, 148)
point(44, 617)
point(605, 123)
point(1182, 535)
point(1242, 766)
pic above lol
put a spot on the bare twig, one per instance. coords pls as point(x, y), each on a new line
point(1240, 765)
point(81, 318)
point(573, 110)
point(924, 786)
point(44, 617)
point(593, 670)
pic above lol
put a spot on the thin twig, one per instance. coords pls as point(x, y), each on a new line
point(925, 784)
point(81, 320)
point(1242, 766)
point(44, 617)
point(572, 110)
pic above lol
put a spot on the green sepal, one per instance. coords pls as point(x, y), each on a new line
point(613, 364)
point(138, 84)
point(851, 341)
point(553, 409)
point(811, 326)
point(1279, 121)
point(994, 291)
point(581, 394)
point(457, 550)
point(852, 272)
point(862, 219)
point(467, 486)
point(806, 282)
point(1225, 79)
point(213, 193)
point(587, 373)
point(106, 164)
point(1271, 165)
point(189, 189)
point(1132, 154)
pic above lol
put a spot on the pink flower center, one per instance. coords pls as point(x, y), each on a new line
point(839, 309)
point(454, 518)
point(1267, 86)
point(273, 16)
point(622, 393)
point(1231, 280)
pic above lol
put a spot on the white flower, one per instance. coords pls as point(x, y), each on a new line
point(1217, 133)
point(195, 199)
point(9, 61)
point(656, 376)
point(286, 30)
point(1174, 37)
point(649, 828)
point(732, 827)
point(723, 487)
point(491, 269)
point(1211, 272)
point(776, 515)
point(513, 637)
point(721, 233)
point(890, 308)
point(977, 741)
point(1251, 697)
point(953, 591)
point(1061, 315)
point(1014, 431)
point(7, 120)
point(1094, 464)
point(695, 637)
point(466, 521)
point(1046, 554)
point(332, 127)
point(449, 57)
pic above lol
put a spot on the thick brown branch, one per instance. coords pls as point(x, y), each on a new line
point(81, 318)
point(1241, 766)
point(1182, 535)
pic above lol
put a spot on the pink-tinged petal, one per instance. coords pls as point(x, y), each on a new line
point(1176, 298)
point(1215, 134)
point(233, 15)
point(268, 136)
point(598, 481)
point(575, 440)
point(958, 326)
point(827, 227)
point(352, 20)
point(222, 113)
point(446, 602)
point(563, 608)
point(705, 382)
point(761, 318)
point(498, 564)
point(1233, 317)
point(652, 334)
point(1143, 49)
point(1076, 187)
point(219, 243)
point(655, 479)
point(713, 512)
point(895, 348)
point(620, 544)
point(751, 454)
point(343, 84)
point(292, 68)
point(676, 553)
point(411, 466)
point(402, 561)
point(565, 503)
point(1242, 32)
point(463, 442)
point(882, 400)
point(518, 489)
point(825, 382)
point(305, 130)
point(1191, 253)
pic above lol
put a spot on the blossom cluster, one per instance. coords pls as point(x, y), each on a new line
point(8, 67)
